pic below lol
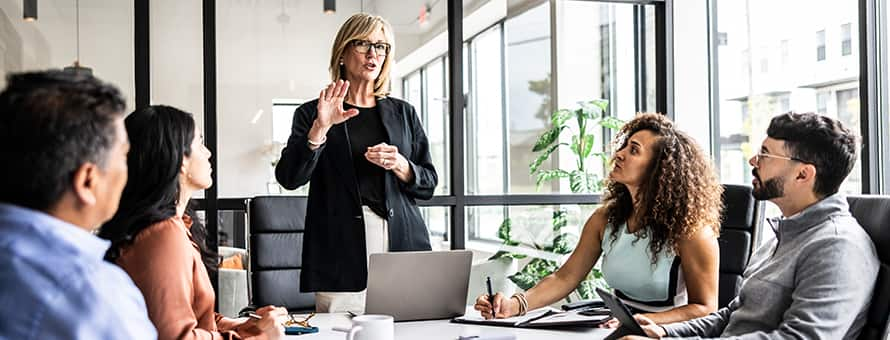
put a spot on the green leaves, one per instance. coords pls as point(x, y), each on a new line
point(612, 123)
point(543, 157)
point(559, 117)
point(503, 254)
point(533, 272)
point(593, 109)
point(577, 182)
point(582, 146)
point(564, 243)
point(547, 138)
point(504, 233)
point(547, 175)
point(560, 219)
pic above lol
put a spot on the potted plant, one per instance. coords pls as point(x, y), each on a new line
point(582, 123)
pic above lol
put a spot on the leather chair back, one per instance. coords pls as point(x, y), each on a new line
point(873, 214)
point(276, 246)
point(742, 219)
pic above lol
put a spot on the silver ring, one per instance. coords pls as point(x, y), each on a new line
point(384, 162)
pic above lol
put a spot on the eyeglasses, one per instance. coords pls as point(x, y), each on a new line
point(363, 46)
point(761, 155)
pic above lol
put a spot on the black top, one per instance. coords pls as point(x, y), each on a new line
point(367, 130)
point(334, 257)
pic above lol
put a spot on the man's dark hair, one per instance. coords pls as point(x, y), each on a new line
point(821, 141)
point(51, 123)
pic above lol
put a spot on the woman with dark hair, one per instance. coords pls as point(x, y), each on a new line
point(656, 230)
point(150, 234)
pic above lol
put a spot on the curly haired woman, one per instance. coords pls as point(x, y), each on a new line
point(656, 230)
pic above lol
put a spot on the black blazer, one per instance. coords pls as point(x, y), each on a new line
point(334, 246)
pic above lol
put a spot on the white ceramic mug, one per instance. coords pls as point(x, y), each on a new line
point(371, 327)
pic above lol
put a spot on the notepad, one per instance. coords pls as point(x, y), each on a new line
point(539, 318)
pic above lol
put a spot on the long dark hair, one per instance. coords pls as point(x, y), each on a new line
point(680, 194)
point(160, 137)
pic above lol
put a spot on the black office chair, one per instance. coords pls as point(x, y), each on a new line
point(873, 213)
point(742, 219)
point(276, 245)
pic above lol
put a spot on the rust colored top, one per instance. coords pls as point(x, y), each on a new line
point(166, 265)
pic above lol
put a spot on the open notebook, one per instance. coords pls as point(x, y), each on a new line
point(540, 318)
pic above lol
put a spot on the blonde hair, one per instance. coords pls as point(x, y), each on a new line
point(360, 26)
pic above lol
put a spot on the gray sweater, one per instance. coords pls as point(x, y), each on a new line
point(813, 281)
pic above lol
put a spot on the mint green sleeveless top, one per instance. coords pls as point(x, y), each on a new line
point(627, 267)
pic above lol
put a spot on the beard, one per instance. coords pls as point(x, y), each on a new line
point(772, 188)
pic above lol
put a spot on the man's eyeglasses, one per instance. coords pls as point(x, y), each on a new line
point(761, 155)
point(363, 46)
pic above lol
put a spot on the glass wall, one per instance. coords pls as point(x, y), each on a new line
point(102, 41)
point(770, 65)
point(176, 59)
point(528, 92)
point(510, 93)
point(532, 226)
point(486, 139)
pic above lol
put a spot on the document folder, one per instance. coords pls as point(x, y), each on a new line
point(539, 318)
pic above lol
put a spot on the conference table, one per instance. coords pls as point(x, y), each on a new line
point(445, 330)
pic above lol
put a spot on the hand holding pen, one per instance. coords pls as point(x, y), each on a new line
point(270, 321)
point(496, 305)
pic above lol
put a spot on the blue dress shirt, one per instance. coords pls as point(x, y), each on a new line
point(54, 283)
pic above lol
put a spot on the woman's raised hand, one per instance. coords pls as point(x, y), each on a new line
point(330, 105)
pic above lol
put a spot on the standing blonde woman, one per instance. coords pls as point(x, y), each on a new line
point(368, 160)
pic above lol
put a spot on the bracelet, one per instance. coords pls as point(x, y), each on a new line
point(319, 143)
point(523, 302)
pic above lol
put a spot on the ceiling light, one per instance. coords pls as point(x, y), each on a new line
point(29, 10)
point(330, 6)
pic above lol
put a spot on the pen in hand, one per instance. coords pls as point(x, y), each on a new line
point(490, 295)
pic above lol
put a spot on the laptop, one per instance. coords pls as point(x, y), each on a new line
point(424, 285)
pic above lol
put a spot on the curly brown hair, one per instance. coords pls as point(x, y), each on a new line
point(679, 194)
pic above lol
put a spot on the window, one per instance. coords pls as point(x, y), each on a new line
point(785, 53)
point(848, 113)
point(822, 103)
point(510, 102)
point(437, 220)
point(486, 154)
point(510, 96)
point(722, 39)
point(846, 39)
point(435, 123)
point(749, 100)
point(529, 224)
point(529, 89)
point(411, 90)
point(425, 90)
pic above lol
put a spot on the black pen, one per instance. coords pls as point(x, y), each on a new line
point(490, 293)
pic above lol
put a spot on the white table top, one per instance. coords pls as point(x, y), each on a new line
point(446, 330)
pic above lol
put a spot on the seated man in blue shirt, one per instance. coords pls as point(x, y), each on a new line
point(815, 279)
point(64, 151)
